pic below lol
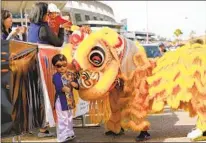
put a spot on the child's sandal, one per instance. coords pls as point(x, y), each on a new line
point(70, 138)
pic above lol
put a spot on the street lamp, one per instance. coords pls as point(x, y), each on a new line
point(185, 23)
point(147, 22)
point(26, 17)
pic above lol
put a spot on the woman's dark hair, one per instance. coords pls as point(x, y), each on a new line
point(58, 57)
point(38, 11)
point(4, 15)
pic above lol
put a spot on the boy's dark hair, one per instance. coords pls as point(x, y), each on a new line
point(38, 11)
point(58, 57)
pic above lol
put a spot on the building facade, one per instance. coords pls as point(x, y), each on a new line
point(93, 13)
point(140, 36)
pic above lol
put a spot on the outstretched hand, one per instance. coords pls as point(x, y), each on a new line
point(23, 29)
point(67, 25)
point(15, 31)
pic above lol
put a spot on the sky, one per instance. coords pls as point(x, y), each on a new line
point(163, 16)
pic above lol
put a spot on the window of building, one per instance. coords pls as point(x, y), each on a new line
point(102, 25)
point(87, 17)
point(131, 38)
point(78, 17)
point(16, 15)
point(101, 19)
point(15, 24)
point(95, 18)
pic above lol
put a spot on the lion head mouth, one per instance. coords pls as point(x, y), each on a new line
point(88, 79)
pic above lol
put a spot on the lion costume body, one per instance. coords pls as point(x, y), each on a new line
point(105, 58)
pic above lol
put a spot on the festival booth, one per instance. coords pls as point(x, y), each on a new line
point(22, 101)
point(27, 91)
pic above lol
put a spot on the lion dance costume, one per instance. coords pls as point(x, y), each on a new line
point(104, 58)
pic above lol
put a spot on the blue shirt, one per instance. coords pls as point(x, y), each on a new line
point(33, 33)
point(57, 81)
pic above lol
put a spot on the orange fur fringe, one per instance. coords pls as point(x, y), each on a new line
point(136, 89)
point(99, 110)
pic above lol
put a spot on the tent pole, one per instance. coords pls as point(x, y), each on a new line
point(21, 17)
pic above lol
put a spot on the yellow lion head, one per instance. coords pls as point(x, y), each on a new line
point(98, 58)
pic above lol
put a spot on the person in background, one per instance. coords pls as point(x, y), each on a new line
point(144, 135)
point(64, 83)
point(39, 30)
point(6, 28)
point(55, 21)
point(68, 31)
point(162, 48)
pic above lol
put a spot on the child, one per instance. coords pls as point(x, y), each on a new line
point(64, 85)
point(55, 20)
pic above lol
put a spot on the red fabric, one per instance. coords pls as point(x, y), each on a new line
point(48, 69)
point(54, 23)
point(60, 20)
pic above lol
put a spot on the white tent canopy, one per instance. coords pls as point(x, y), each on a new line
point(18, 6)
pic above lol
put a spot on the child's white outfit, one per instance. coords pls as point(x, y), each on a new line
point(65, 122)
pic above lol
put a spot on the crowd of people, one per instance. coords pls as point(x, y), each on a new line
point(46, 26)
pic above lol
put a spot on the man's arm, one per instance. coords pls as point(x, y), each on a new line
point(62, 20)
point(45, 34)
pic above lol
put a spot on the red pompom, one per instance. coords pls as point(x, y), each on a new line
point(75, 38)
point(119, 44)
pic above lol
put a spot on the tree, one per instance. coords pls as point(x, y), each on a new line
point(177, 33)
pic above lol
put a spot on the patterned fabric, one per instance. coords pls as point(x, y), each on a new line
point(69, 96)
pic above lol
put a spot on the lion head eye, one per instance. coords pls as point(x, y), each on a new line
point(97, 56)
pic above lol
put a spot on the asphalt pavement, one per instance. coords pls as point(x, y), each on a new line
point(169, 126)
